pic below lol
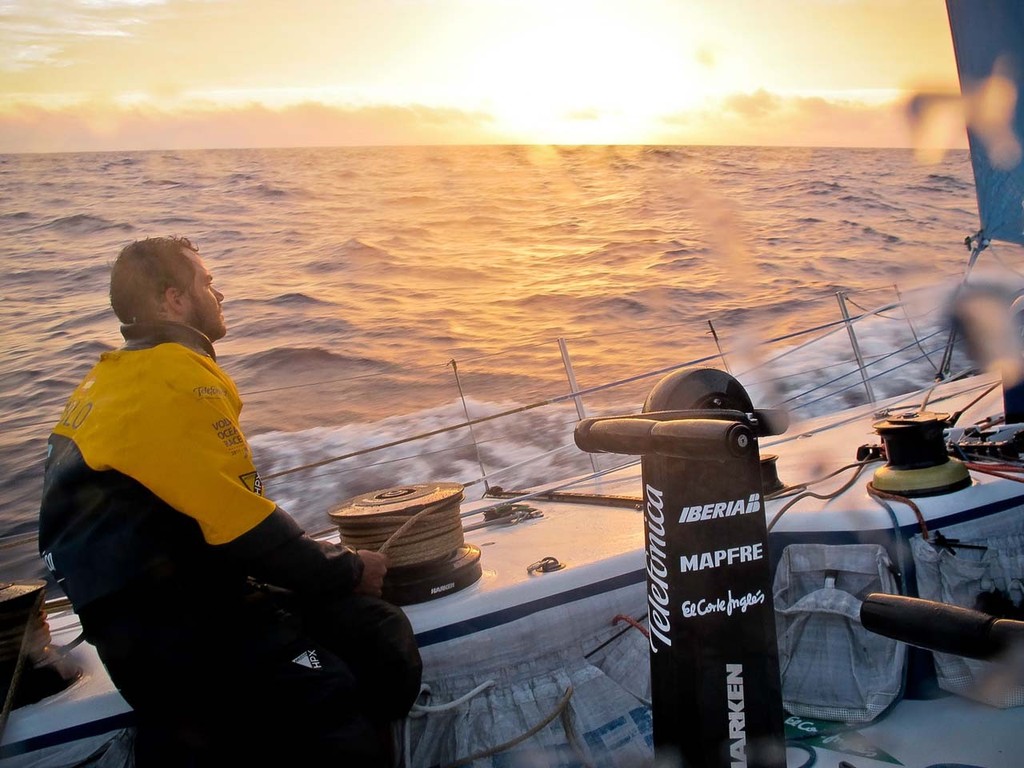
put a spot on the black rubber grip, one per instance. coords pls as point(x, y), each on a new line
point(939, 626)
point(684, 439)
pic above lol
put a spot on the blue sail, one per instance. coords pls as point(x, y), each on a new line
point(988, 40)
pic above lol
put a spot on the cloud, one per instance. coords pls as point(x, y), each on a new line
point(758, 118)
point(771, 119)
point(36, 32)
point(755, 105)
point(104, 127)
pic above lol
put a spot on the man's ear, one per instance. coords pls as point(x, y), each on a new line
point(174, 303)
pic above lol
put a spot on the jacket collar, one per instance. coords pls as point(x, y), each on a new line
point(149, 334)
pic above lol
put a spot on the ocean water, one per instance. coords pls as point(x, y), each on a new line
point(374, 294)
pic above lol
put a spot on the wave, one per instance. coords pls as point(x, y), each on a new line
point(32, 400)
point(263, 327)
point(682, 255)
point(621, 252)
point(448, 456)
point(63, 277)
point(872, 232)
point(870, 202)
point(176, 221)
point(600, 243)
point(671, 153)
point(297, 299)
point(85, 320)
point(88, 349)
point(353, 253)
point(861, 235)
point(813, 187)
point(84, 223)
point(300, 359)
point(412, 201)
point(120, 162)
point(625, 305)
point(941, 182)
point(267, 190)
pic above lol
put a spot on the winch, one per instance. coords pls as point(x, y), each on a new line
point(30, 668)
point(420, 530)
point(917, 463)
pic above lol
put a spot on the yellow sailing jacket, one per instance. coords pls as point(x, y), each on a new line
point(149, 475)
point(168, 417)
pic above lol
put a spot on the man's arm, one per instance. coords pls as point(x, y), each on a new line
point(278, 552)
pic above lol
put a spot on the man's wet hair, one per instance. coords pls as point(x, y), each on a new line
point(144, 270)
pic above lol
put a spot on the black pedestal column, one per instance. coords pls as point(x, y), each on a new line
point(716, 693)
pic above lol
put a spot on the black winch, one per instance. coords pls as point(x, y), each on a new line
point(419, 528)
point(917, 463)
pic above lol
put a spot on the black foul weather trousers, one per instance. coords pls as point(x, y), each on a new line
point(265, 679)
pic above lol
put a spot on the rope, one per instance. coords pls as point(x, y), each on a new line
point(19, 665)
point(873, 491)
point(560, 709)
point(633, 623)
point(570, 734)
point(438, 532)
point(999, 470)
point(420, 710)
point(804, 494)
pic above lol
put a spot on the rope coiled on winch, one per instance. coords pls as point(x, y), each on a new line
point(429, 534)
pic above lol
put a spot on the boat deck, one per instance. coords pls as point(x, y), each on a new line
point(511, 608)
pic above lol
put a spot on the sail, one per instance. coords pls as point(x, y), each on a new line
point(988, 40)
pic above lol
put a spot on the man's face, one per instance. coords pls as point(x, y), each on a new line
point(205, 313)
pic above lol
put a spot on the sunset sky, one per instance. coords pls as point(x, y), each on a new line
point(174, 74)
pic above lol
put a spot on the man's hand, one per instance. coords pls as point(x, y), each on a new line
point(375, 565)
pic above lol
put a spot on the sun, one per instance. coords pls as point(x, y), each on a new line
point(582, 72)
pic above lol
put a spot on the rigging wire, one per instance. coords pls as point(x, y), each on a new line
point(851, 373)
point(830, 327)
point(560, 399)
point(859, 414)
point(847, 388)
point(503, 437)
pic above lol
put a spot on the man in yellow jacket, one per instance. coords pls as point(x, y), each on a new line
point(236, 638)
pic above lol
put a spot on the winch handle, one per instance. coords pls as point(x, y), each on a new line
point(939, 626)
point(680, 438)
point(763, 421)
